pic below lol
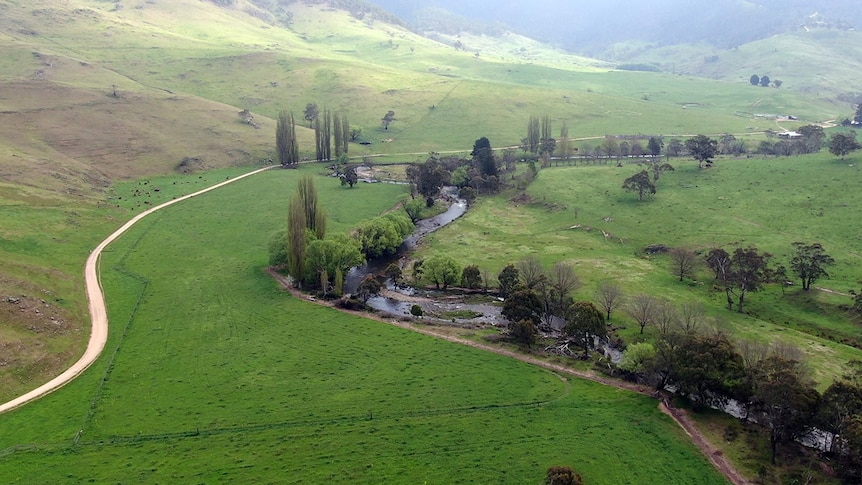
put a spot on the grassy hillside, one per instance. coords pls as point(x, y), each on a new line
point(819, 63)
point(767, 203)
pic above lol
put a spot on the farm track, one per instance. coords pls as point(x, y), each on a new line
point(712, 453)
point(98, 311)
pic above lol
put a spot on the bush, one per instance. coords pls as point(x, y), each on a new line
point(416, 311)
point(563, 475)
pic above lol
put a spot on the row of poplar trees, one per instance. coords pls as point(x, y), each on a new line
point(328, 127)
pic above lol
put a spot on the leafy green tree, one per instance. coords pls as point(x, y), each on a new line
point(348, 175)
point(841, 403)
point(743, 272)
point(585, 322)
point(709, 369)
point(812, 138)
point(278, 254)
point(383, 235)
point(640, 183)
point(703, 149)
point(754, 80)
point(508, 279)
point(785, 400)
point(413, 208)
point(471, 277)
point(764, 81)
point(841, 144)
point(659, 168)
point(285, 140)
point(523, 305)
point(675, 147)
point(441, 270)
point(387, 119)
point(654, 146)
point(429, 177)
point(314, 216)
point(637, 358)
point(533, 135)
point(310, 113)
point(483, 157)
point(524, 332)
point(297, 233)
point(332, 256)
point(809, 263)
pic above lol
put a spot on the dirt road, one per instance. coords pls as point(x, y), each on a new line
point(98, 312)
point(712, 453)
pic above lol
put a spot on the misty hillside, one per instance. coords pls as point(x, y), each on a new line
point(593, 27)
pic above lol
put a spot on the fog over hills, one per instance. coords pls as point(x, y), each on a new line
point(592, 27)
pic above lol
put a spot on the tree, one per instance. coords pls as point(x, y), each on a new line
point(310, 113)
point(841, 402)
point(383, 235)
point(858, 116)
point(609, 296)
point(702, 148)
point(754, 80)
point(640, 183)
point(326, 258)
point(338, 134)
point(533, 136)
point(643, 309)
point(345, 134)
point(683, 262)
point(471, 277)
point(746, 271)
point(296, 241)
point(841, 144)
point(531, 271)
point(812, 138)
point(654, 146)
point(562, 475)
point(523, 305)
point(388, 118)
point(441, 270)
point(659, 168)
point(285, 140)
point(764, 81)
point(563, 146)
point(637, 358)
point(369, 287)
point(348, 176)
point(785, 399)
point(483, 157)
point(777, 83)
point(809, 263)
point(429, 177)
point(708, 368)
point(314, 216)
point(675, 147)
point(585, 322)
point(508, 280)
point(563, 280)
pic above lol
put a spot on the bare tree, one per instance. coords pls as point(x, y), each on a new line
point(691, 315)
point(666, 317)
point(683, 262)
point(609, 296)
point(531, 271)
point(643, 308)
point(563, 278)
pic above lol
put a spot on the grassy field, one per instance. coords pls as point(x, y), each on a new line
point(739, 202)
point(214, 374)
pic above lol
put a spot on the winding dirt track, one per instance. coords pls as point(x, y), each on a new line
point(98, 312)
point(712, 453)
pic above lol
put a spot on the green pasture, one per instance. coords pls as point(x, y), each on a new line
point(213, 373)
point(581, 215)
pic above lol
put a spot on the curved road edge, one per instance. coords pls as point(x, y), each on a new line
point(96, 297)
